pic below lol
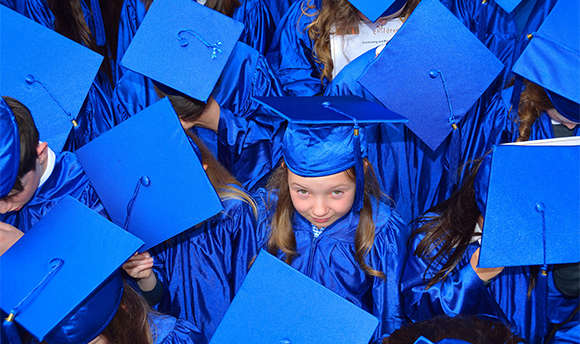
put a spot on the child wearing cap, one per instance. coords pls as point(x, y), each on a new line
point(442, 275)
point(43, 177)
point(317, 38)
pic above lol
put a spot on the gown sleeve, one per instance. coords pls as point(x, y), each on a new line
point(166, 329)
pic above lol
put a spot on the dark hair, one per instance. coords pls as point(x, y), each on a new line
point(226, 7)
point(187, 108)
point(472, 329)
point(131, 323)
point(282, 235)
point(28, 139)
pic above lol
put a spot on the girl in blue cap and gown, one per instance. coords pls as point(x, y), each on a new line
point(43, 177)
point(197, 273)
point(441, 275)
point(301, 52)
point(85, 23)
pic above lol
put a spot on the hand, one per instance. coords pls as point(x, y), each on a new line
point(485, 274)
point(140, 267)
point(8, 236)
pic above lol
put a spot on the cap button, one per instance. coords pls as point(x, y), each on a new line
point(285, 341)
point(326, 104)
point(540, 207)
point(29, 79)
point(433, 74)
point(145, 181)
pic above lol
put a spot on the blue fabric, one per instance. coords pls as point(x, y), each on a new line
point(67, 179)
point(504, 297)
point(17, 5)
point(411, 173)
point(329, 259)
point(291, 53)
point(278, 8)
point(254, 14)
point(9, 149)
point(96, 115)
point(202, 268)
point(166, 329)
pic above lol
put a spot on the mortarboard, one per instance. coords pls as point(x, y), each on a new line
point(148, 176)
point(552, 58)
point(186, 44)
point(508, 5)
point(47, 72)
point(432, 71)
point(423, 340)
point(65, 268)
point(9, 149)
point(532, 208)
point(375, 9)
point(323, 127)
point(278, 304)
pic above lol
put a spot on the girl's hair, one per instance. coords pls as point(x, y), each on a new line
point(28, 139)
point(69, 21)
point(450, 232)
point(344, 17)
point(533, 101)
point(282, 235)
point(226, 7)
point(189, 109)
point(131, 323)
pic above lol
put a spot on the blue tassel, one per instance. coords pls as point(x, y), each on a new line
point(11, 330)
point(359, 171)
point(100, 37)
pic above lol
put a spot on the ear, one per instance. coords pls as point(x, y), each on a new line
point(42, 152)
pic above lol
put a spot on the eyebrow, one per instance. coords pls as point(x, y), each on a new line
point(298, 185)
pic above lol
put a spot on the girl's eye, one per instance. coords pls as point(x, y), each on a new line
point(302, 192)
point(337, 193)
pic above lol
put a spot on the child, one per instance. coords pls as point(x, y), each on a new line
point(312, 42)
point(43, 177)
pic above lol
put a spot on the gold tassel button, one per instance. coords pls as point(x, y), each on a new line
point(10, 317)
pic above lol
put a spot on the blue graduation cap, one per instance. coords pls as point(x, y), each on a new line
point(552, 58)
point(432, 72)
point(532, 211)
point(374, 9)
point(278, 304)
point(148, 176)
point(320, 127)
point(423, 340)
point(508, 5)
point(48, 73)
point(9, 149)
point(64, 268)
point(183, 45)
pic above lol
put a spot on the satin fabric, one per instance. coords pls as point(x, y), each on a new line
point(9, 149)
point(291, 53)
point(202, 268)
point(416, 177)
point(17, 5)
point(504, 297)
point(278, 8)
point(330, 259)
point(96, 115)
point(67, 179)
point(254, 14)
point(166, 329)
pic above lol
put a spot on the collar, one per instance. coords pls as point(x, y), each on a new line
point(49, 167)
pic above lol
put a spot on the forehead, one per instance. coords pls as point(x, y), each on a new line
point(321, 183)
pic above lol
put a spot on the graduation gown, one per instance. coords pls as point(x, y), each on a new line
point(254, 14)
point(330, 260)
point(166, 329)
point(415, 176)
point(202, 268)
point(66, 179)
point(96, 115)
point(504, 297)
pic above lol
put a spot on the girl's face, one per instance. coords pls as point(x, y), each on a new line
point(322, 200)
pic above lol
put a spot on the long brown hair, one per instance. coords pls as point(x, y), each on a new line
point(69, 20)
point(533, 101)
point(226, 7)
point(345, 18)
point(282, 235)
point(131, 322)
point(450, 232)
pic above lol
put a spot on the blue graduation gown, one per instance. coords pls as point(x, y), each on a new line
point(329, 260)
point(17, 5)
point(504, 297)
point(67, 179)
point(254, 14)
point(409, 171)
point(96, 115)
point(291, 54)
point(278, 8)
point(166, 329)
point(202, 268)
